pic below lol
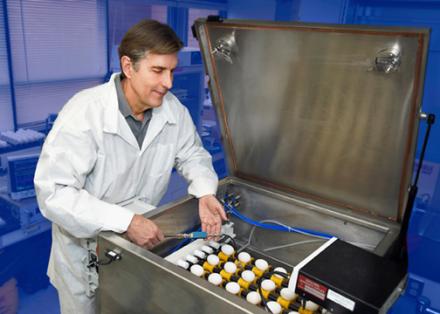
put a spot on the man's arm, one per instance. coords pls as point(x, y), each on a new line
point(144, 232)
point(195, 164)
point(68, 156)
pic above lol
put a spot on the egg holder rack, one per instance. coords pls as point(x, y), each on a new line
point(247, 276)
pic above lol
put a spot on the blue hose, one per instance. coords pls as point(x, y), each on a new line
point(231, 209)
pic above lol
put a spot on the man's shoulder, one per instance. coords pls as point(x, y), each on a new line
point(92, 95)
point(85, 107)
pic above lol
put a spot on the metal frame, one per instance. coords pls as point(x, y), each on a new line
point(415, 107)
point(10, 68)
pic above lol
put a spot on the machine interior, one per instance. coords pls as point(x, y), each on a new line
point(261, 204)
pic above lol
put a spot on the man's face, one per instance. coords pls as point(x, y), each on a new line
point(151, 78)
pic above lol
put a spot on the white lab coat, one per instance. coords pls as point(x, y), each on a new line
point(91, 160)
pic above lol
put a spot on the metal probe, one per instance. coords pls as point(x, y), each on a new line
point(192, 235)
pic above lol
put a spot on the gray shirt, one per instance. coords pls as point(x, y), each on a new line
point(139, 128)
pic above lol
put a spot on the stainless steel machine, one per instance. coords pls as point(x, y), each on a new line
point(320, 125)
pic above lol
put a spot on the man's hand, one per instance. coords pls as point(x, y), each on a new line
point(211, 214)
point(144, 232)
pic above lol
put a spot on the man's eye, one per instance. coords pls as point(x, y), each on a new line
point(157, 70)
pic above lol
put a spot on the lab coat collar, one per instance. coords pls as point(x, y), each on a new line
point(115, 123)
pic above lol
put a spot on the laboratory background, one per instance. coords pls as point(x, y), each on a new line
point(51, 49)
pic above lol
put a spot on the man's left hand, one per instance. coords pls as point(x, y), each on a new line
point(211, 214)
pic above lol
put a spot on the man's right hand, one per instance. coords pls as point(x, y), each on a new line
point(144, 232)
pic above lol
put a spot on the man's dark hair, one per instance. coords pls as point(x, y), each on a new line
point(148, 36)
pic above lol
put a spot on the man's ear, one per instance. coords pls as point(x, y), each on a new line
point(126, 66)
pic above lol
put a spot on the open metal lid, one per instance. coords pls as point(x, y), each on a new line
point(327, 112)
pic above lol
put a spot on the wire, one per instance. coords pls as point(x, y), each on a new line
point(260, 280)
point(251, 234)
point(280, 227)
point(260, 291)
point(183, 242)
point(291, 244)
point(274, 272)
point(286, 228)
point(234, 244)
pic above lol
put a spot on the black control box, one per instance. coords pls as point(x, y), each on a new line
point(344, 278)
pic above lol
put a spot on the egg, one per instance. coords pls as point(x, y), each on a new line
point(227, 249)
point(192, 259)
point(197, 270)
point(288, 294)
point(230, 267)
point(253, 297)
point(268, 285)
point(207, 249)
point(248, 275)
point(215, 279)
point(244, 257)
point(213, 260)
point(274, 307)
point(199, 254)
point(312, 306)
point(232, 287)
point(214, 245)
point(261, 264)
point(183, 264)
point(280, 270)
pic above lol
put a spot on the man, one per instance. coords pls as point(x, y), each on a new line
point(111, 143)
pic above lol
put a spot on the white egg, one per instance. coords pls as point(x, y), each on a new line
point(312, 306)
point(213, 260)
point(207, 249)
point(268, 285)
point(248, 275)
point(215, 279)
point(214, 244)
point(227, 249)
point(253, 297)
point(183, 264)
point(230, 267)
point(280, 270)
point(274, 307)
point(288, 294)
point(261, 264)
point(244, 257)
point(232, 287)
point(197, 270)
point(199, 254)
point(192, 259)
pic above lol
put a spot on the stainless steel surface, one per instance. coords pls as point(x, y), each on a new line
point(142, 282)
point(260, 203)
point(307, 108)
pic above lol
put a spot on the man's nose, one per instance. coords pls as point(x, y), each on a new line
point(167, 80)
